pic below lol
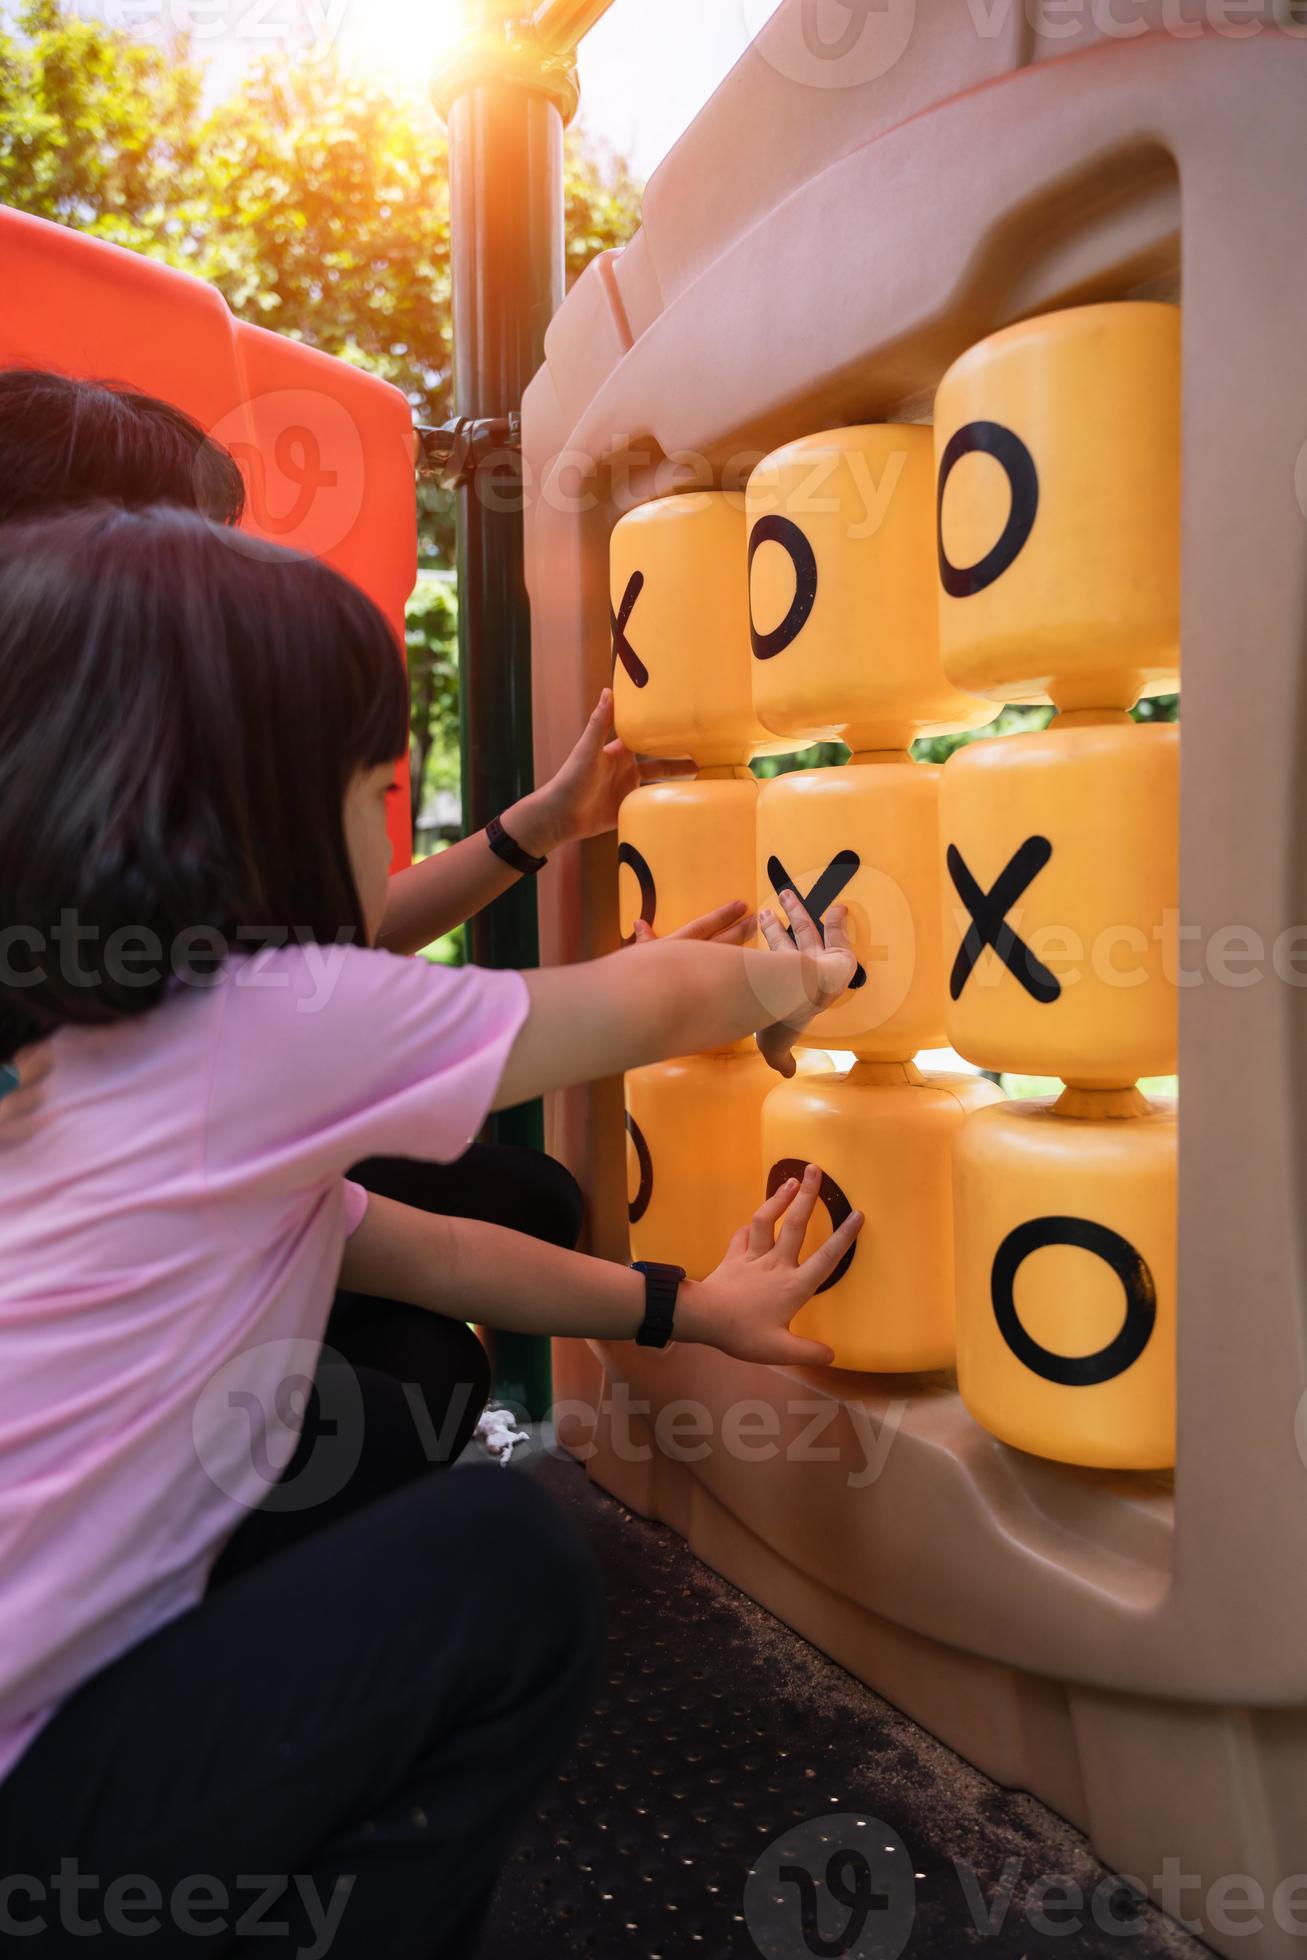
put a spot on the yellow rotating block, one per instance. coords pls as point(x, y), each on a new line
point(1061, 883)
point(1058, 465)
point(1066, 1262)
point(866, 836)
point(680, 619)
point(684, 848)
point(842, 577)
point(692, 1150)
point(883, 1135)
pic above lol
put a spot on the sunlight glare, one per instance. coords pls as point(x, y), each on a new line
point(400, 39)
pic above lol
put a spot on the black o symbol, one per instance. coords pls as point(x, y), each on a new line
point(837, 1205)
point(635, 861)
point(1018, 465)
point(1130, 1267)
point(639, 1204)
point(784, 532)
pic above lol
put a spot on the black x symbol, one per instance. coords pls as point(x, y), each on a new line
point(622, 648)
point(843, 867)
point(989, 926)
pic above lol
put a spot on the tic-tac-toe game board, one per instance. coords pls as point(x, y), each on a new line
point(954, 368)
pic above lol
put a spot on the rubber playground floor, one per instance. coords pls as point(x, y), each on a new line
point(735, 1794)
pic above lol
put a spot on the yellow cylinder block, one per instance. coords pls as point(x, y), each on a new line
point(680, 620)
point(1061, 887)
point(883, 1135)
point(1066, 1278)
point(693, 1130)
point(845, 626)
point(684, 848)
point(1058, 486)
point(866, 836)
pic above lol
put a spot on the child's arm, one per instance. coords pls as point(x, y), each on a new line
point(677, 997)
point(469, 1271)
point(581, 801)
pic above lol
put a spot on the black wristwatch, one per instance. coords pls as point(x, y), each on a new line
point(511, 852)
point(661, 1286)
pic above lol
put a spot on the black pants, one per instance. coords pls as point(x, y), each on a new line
point(408, 1385)
point(339, 1742)
point(442, 1361)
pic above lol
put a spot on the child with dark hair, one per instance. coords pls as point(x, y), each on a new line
point(65, 443)
point(357, 1680)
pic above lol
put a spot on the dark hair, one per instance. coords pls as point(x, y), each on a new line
point(65, 442)
point(182, 710)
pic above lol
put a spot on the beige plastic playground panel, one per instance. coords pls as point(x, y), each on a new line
point(825, 241)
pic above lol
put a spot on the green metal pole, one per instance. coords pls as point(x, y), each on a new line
point(504, 102)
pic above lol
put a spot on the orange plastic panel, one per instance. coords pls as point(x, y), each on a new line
point(327, 451)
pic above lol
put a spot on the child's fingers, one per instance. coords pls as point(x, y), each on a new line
point(799, 1217)
point(774, 1045)
point(596, 732)
point(773, 931)
point(807, 936)
point(644, 933)
point(837, 920)
point(818, 1269)
point(837, 930)
point(714, 922)
point(762, 1226)
point(798, 1353)
point(737, 935)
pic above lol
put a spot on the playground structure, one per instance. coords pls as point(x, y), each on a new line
point(904, 242)
point(327, 453)
point(826, 270)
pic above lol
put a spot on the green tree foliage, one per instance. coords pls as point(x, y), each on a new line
point(97, 130)
point(938, 748)
point(314, 198)
point(432, 636)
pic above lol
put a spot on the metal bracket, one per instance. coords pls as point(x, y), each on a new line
point(454, 452)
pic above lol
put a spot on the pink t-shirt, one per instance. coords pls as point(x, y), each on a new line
point(170, 1241)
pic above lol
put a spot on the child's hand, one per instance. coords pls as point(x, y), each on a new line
point(729, 925)
point(830, 965)
point(583, 799)
point(21, 1094)
point(746, 1306)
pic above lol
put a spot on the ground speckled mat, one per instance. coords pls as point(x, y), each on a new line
point(718, 1732)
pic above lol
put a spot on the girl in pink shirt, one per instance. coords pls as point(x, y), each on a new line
point(66, 443)
point(197, 743)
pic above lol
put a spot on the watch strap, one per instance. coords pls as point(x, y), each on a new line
point(662, 1284)
point(511, 852)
